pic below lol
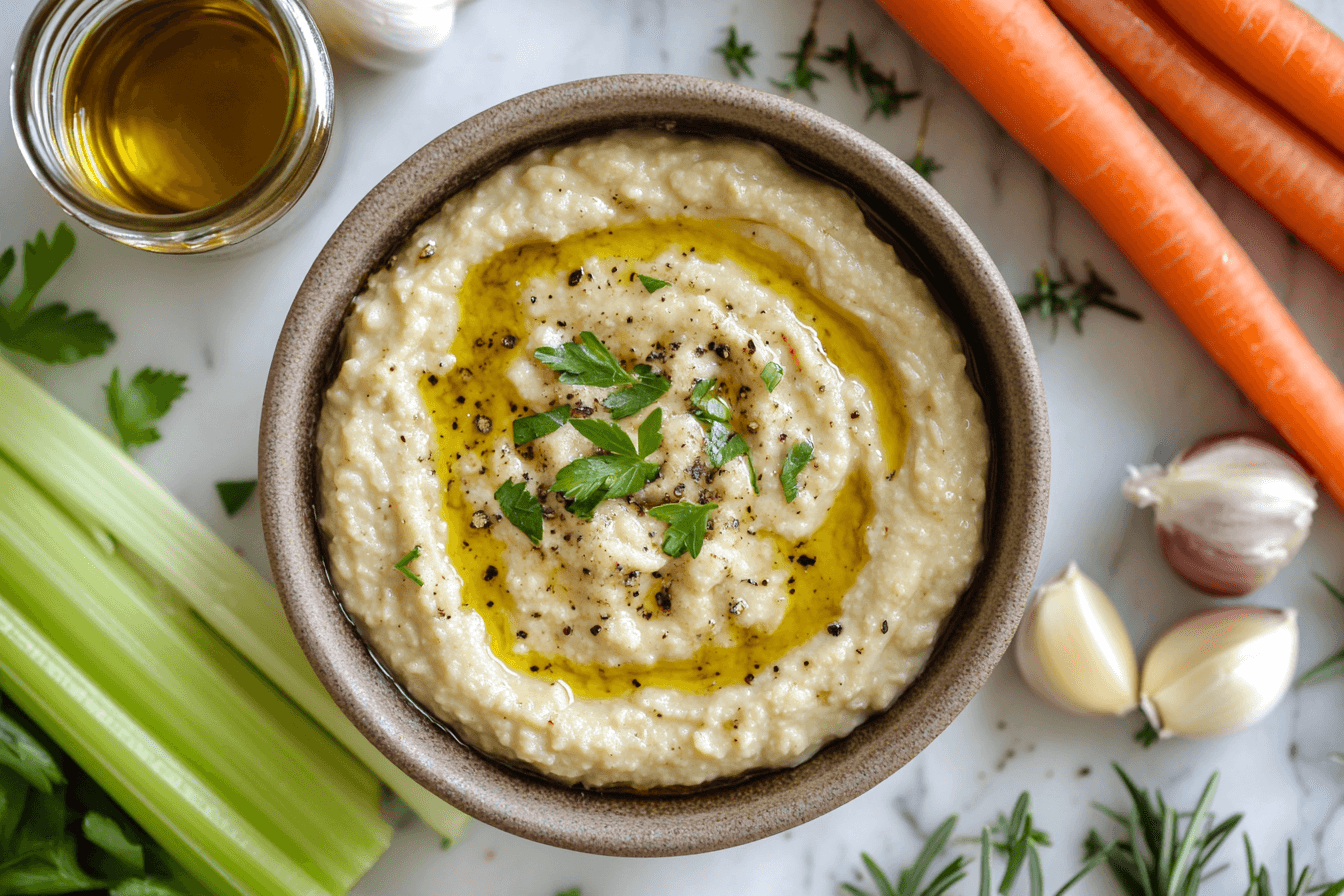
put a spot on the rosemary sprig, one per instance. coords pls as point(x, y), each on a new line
point(1050, 299)
point(883, 94)
point(1332, 667)
point(802, 76)
point(910, 881)
point(735, 57)
point(1020, 844)
point(1298, 884)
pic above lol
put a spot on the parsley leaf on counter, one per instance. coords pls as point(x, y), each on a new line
point(652, 284)
point(589, 481)
point(883, 94)
point(525, 429)
point(794, 463)
point(771, 376)
point(521, 508)
point(632, 399)
point(1049, 299)
point(735, 57)
point(585, 363)
point(50, 333)
point(686, 526)
point(802, 76)
point(234, 493)
point(142, 403)
point(400, 566)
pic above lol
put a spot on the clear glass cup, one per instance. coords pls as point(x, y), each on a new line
point(46, 49)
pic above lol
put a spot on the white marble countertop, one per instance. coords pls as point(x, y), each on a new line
point(1122, 393)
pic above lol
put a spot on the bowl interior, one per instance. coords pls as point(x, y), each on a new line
point(930, 238)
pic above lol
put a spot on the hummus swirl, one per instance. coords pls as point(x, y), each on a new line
point(594, 656)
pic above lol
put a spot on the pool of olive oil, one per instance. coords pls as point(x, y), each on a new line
point(176, 105)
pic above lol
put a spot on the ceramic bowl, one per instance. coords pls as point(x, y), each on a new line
point(935, 242)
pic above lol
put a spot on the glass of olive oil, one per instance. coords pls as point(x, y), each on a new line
point(173, 125)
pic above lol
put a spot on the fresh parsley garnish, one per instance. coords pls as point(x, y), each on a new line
point(794, 463)
point(400, 566)
point(686, 526)
point(1050, 300)
point(648, 388)
point(589, 481)
point(771, 376)
point(135, 409)
point(652, 284)
point(707, 407)
point(525, 429)
point(735, 57)
point(585, 363)
point(721, 443)
point(51, 333)
point(521, 508)
point(802, 76)
point(883, 94)
point(233, 494)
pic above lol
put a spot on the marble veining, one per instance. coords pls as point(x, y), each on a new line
point(1122, 393)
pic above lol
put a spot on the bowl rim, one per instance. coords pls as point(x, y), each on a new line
point(613, 823)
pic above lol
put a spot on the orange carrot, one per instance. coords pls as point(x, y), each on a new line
point(1278, 49)
point(1284, 167)
point(1022, 65)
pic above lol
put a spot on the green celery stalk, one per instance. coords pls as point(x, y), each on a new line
point(98, 484)
point(292, 783)
point(197, 827)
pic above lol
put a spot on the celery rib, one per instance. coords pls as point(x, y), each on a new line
point(98, 484)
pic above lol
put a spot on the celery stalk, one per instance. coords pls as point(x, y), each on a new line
point(198, 828)
point(293, 783)
point(95, 481)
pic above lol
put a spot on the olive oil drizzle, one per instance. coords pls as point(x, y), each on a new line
point(491, 336)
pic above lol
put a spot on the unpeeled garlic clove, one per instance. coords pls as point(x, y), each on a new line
point(1219, 671)
point(1073, 649)
point(1231, 511)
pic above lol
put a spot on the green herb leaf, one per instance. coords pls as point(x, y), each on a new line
point(521, 508)
point(1049, 299)
point(51, 334)
point(802, 76)
point(400, 566)
point(607, 436)
point(589, 481)
point(525, 429)
point(1147, 735)
point(1333, 666)
point(722, 444)
point(924, 166)
point(709, 408)
point(633, 399)
point(144, 402)
point(651, 433)
point(234, 493)
point(735, 57)
point(23, 753)
point(883, 94)
point(52, 868)
point(686, 526)
point(794, 463)
point(652, 284)
point(771, 375)
point(41, 261)
point(108, 836)
point(585, 363)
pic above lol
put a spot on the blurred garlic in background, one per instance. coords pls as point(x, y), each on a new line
point(383, 34)
point(1073, 649)
point(1219, 671)
point(1231, 511)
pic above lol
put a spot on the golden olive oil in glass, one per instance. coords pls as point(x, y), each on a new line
point(177, 105)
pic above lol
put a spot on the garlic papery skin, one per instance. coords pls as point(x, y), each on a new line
point(1231, 511)
point(1219, 671)
point(1073, 649)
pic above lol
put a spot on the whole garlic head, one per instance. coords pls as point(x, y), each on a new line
point(1231, 511)
point(1073, 649)
point(1219, 671)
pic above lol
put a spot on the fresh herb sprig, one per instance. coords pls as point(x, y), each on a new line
point(924, 166)
point(521, 508)
point(1021, 843)
point(802, 76)
point(142, 403)
point(794, 463)
point(1298, 884)
point(883, 94)
point(1068, 297)
point(771, 375)
point(401, 566)
point(624, 470)
point(910, 881)
point(233, 494)
point(722, 444)
point(590, 363)
point(687, 524)
point(1333, 666)
point(50, 334)
point(525, 429)
point(735, 57)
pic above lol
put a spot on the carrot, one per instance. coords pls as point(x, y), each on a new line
point(1278, 49)
point(1288, 170)
point(1022, 65)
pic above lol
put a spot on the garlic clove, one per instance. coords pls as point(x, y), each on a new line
point(1073, 649)
point(1231, 511)
point(1219, 671)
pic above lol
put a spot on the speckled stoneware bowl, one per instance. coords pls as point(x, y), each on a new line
point(932, 239)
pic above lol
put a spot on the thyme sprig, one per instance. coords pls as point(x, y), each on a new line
point(883, 94)
point(1070, 298)
point(735, 56)
point(924, 165)
point(802, 76)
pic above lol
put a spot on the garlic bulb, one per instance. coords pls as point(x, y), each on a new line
point(1232, 510)
point(1073, 649)
point(1219, 671)
point(383, 34)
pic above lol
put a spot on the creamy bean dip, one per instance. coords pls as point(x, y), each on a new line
point(581, 647)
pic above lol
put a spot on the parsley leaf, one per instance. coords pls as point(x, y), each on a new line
point(145, 400)
point(735, 56)
point(585, 363)
point(525, 429)
point(608, 436)
point(400, 566)
point(722, 444)
point(686, 526)
point(50, 334)
point(794, 463)
point(633, 399)
point(771, 375)
point(803, 75)
point(709, 408)
point(108, 836)
point(652, 284)
point(26, 756)
point(589, 481)
point(521, 508)
point(234, 493)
